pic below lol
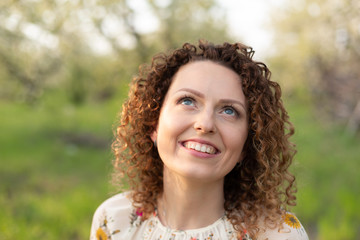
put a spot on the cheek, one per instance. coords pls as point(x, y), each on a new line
point(235, 139)
point(171, 125)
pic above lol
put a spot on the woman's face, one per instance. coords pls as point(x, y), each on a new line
point(203, 122)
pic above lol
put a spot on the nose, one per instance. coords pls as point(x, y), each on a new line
point(205, 122)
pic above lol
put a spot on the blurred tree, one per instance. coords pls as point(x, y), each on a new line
point(25, 61)
point(318, 45)
point(187, 20)
point(150, 26)
point(88, 47)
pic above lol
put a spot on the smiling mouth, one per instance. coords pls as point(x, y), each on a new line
point(200, 147)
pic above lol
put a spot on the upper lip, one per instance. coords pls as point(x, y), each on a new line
point(202, 141)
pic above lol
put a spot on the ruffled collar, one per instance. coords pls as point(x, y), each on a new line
point(152, 228)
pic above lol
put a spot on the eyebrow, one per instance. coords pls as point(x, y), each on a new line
point(199, 94)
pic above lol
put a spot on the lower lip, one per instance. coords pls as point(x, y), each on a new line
point(198, 154)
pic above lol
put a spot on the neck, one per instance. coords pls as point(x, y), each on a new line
point(190, 204)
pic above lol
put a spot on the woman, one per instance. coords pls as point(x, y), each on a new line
point(204, 142)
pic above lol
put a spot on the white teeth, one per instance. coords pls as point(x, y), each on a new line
point(208, 149)
point(200, 147)
point(203, 148)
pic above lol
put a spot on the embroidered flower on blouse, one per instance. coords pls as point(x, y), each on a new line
point(100, 234)
point(245, 236)
point(292, 221)
point(103, 233)
point(136, 217)
point(210, 237)
point(139, 213)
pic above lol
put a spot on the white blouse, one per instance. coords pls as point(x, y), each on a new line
point(116, 219)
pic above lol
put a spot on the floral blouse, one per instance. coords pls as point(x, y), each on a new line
point(116, 219)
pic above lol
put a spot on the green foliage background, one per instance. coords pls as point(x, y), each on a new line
point(58, 107)
point(52, 179)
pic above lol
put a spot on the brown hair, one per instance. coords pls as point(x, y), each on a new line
point(262, 187)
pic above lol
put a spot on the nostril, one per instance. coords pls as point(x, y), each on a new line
point(204, 121)
point(208, 128)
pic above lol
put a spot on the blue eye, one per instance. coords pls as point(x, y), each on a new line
point(230, 111)
point(187, 101)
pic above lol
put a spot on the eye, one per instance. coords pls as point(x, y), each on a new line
point(228, 110)
point(187, 101)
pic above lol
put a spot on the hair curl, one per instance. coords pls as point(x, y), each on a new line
point(262, 187)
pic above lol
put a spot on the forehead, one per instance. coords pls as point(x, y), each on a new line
point(208, 77)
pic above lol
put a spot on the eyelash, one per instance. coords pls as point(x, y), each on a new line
point(236, 113)
point(185, 97)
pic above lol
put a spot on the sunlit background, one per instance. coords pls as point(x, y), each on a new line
point(65, 66)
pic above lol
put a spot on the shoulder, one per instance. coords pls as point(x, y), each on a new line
point(112, 217)
point(291, 228)
point(121, 200)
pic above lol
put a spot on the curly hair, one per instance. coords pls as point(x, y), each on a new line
point(262, 187)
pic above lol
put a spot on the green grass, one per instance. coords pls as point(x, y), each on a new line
point(326, 167)
point(56, 164)
point(51, 179)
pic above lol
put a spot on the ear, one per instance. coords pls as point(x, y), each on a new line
point(153, 135)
